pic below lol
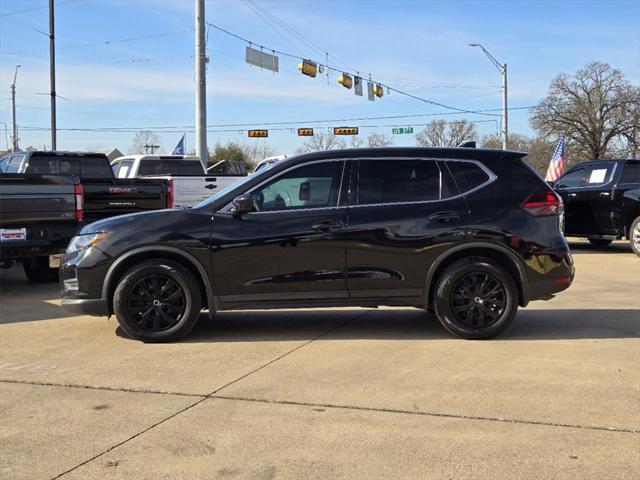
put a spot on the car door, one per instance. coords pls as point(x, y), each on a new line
point(587, 193)
point(404, 214)
point(292, 245)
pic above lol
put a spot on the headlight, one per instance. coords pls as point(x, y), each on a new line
point(82, 242)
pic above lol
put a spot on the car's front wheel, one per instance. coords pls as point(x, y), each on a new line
point(634, 236)
point(157, 301)
point(476, 298)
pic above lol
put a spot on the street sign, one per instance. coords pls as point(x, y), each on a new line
point(305, 132)
point(261, 59)
point(357, 86)
point(401, 130)
point(370, 89)
point(258, 133)
point(345, 130)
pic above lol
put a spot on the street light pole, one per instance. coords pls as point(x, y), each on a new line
point(52, 74)
point(13, 108)
point(201, 86)
point(502, 68)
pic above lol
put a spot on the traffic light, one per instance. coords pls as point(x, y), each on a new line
point(345, 80)
point(378, 90)
point(258, 133)
point(345, 130)
point(307, 67)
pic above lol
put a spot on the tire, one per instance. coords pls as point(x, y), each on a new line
point(466, 288)
point(599, 242)
point(157, 301)
point(634, 236)
point(37, 270)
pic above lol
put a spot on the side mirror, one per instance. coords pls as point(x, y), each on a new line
point(242, 204)
point(304, 194)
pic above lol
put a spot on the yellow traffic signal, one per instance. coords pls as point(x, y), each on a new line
point(378, 90)
point(345, 80)
point(305, 132)
point(258, 133)
point(307, 67)
point(345, 130)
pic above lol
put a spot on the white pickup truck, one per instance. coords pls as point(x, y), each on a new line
point(188, 180)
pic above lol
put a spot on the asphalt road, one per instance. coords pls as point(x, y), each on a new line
point(342, 393)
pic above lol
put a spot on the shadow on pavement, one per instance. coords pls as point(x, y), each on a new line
point(579, 247)
point(407, 324)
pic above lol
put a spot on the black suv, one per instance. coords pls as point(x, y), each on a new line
point(467, 233)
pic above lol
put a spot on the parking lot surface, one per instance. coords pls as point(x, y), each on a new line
point(339, 393)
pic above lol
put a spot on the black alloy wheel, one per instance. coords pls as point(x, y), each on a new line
point(157, 300)
point(156, 303)
point(478, 300)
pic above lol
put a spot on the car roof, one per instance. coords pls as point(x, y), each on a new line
point(403, 152)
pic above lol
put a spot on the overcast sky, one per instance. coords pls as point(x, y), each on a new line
point(420, 47)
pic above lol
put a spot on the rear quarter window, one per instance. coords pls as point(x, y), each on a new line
point(631, 173)
point(467, 175)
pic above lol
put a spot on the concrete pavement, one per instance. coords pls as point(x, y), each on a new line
point(342, 393)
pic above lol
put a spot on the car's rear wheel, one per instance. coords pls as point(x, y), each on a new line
point(599, 242)
point(634, 236)
point(37, 270)
point(157, 301)
point(476, 298)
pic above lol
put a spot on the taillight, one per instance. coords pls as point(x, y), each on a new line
point(543, 203)
point(78, 193)
point(170, 194)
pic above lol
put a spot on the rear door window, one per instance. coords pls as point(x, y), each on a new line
point(467, 175)
point(398, 181)
point(599, 174)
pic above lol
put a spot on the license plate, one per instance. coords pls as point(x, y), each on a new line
point(13, 234)
point(55, 260)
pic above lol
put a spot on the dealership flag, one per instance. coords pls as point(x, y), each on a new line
point(179, 150)
point(556, 166)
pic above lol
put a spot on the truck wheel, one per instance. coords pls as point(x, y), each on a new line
point(157, 301)
point(37, 270)
point(599, 242)
point(634, 236)
point(476, 298)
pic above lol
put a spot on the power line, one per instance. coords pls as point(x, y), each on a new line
point(41, 7)
point(384, 85)
point(105, 42)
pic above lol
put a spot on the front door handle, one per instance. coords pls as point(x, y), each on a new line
point(444, 217)
point(327, 227)
point(571, 195)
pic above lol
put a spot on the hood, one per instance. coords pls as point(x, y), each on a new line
point(131, 219)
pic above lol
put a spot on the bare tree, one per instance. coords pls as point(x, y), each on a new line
point(597, 109)
point(379, 140)
point(142, 139)
point(355, 141)
point(440, 133)
point(539, 150)
point(321, 141)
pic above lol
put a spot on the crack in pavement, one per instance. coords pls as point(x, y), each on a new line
point(201, 399)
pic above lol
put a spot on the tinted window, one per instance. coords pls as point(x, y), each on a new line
point(575, 178)
point(88, 167)
point(170, 167)
point(310, 186)
point(631, 173)
point(229, 168)
point(467, 175)
point(599, 174)
point(391, 181)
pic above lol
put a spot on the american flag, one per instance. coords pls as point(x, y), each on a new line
point(556, 166)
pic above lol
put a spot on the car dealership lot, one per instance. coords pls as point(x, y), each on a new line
point(341, 393)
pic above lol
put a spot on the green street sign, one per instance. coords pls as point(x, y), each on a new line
point(398, 131)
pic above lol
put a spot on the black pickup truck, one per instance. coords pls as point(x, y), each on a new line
point(602, 201)
point(104, 195)
point(39, 214)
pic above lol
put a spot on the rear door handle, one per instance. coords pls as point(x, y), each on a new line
point(604, 194)
point(326, 227)
point(444, 217)
point(571, 195)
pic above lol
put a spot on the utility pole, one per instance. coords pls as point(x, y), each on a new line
point(13, 108)
point(201, 86)
point(52, 74)
point(502, 68)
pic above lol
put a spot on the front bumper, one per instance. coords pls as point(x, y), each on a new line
point(81, 279)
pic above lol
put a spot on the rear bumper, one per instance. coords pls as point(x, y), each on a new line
point(86, 306)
